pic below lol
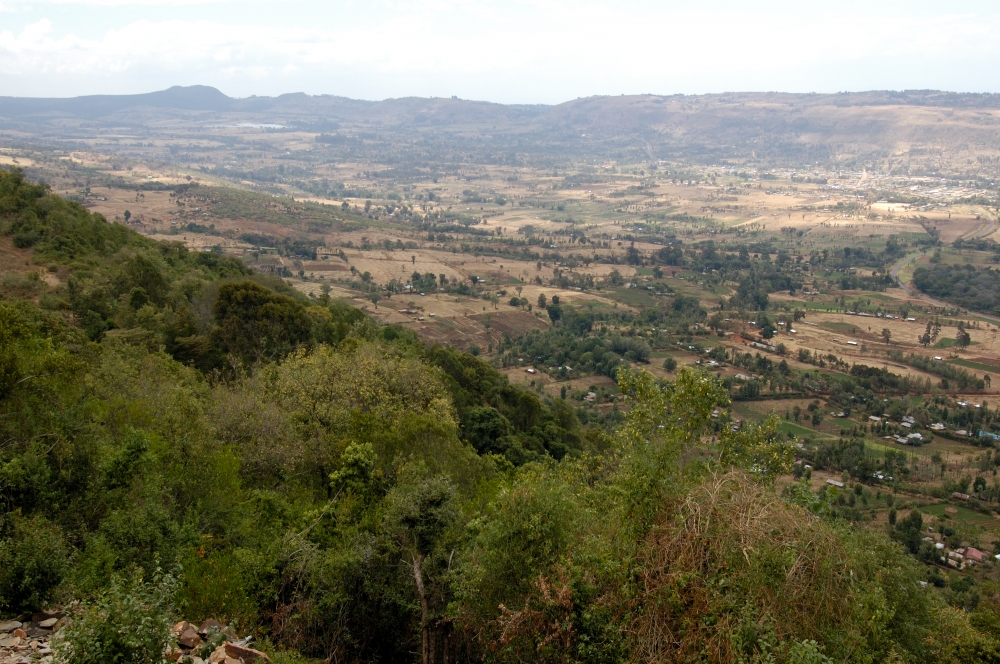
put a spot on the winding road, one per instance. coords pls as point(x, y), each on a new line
point(985, 230)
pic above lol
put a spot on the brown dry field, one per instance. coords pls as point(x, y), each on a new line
point(604, 211)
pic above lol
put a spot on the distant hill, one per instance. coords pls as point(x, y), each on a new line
point(790, 126)
point(192, 98)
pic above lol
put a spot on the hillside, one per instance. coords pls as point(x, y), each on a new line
point(184, 437)
point(770, 126)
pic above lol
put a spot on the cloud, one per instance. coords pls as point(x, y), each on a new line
point(524, 50)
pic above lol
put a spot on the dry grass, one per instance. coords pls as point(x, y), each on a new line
point(735, 563)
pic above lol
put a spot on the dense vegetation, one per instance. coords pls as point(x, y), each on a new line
point(180, 436)
point(977, 289)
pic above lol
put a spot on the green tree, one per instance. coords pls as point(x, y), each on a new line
point(255, 324)
point(962, 337)
point(420, 517)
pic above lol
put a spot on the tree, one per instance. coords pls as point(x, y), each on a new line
point(375, 297)
point(127, 215)
point(909, 531)
point(541, 301)
point(962, 338)
point(926, 338)
point(487, 430)
point(255, 323)
point(420, 516)
point(979, 485)
point(886, 335)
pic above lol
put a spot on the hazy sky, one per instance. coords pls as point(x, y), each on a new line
point(508, 51)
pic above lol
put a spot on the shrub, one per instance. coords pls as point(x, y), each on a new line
point(129, 622)
point(33, 560)
point(735, 570)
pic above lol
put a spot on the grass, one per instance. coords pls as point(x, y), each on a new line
point(948, 342)
point(969, 364)
point(836, 326)
point(787, 427)
point(964, 514)
point(945, 445)
point(590, 305)
point(826, 306)
point(635, 297)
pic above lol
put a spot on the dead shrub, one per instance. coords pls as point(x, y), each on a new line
point(733, 573)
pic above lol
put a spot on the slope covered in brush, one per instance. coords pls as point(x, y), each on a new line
point(350, 494)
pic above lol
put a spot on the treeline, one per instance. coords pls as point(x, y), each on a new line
point(949, 373)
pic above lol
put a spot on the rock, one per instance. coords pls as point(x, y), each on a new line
point(10, 642)
point(248, 655)
point(209, 625)
point(180, 627)
point(9, 626)
point(217, 655)
point(45, 615)
point(20, 633)
point(189, 637)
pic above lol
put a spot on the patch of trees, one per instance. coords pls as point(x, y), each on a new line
point(962, 379)
point(967, 286)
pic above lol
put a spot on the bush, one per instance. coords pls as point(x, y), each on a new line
point(33, 560)
point(26, 239)
point(128, 622)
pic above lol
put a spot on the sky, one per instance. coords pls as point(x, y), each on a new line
point(509, 51)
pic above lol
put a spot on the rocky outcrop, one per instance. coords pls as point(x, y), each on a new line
point(27, 639)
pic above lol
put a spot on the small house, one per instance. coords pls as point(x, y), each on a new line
point(973, 555)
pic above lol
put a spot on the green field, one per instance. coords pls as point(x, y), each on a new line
point(836, 326)
point(787, 427)
point(636, 297)
point(969, 364)
point(948, 342)
point(964, 515)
